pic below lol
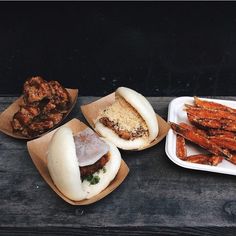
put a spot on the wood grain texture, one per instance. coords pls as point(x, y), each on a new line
point(157, 196)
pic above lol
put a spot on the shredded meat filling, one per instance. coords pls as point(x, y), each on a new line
point(139, 132)
point(91, 169)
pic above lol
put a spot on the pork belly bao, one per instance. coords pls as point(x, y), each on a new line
point(130, 122)
point(83, 165)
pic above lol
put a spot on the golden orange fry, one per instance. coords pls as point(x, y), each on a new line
point(212, 105)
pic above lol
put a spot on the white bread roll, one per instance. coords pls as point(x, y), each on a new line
point(144, 109)
point(64, 169)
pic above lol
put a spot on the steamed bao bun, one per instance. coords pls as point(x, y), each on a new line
point(144, 110)
point(64, 169)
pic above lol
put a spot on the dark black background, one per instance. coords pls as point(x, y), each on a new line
point(157, 48)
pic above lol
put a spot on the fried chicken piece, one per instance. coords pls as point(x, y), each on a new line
point(60, 96)
point(24, 117)
point(43, 123)
point(55, 117)
point(48, 107)
point(127, 135)
point(35, 90)
point(38, 127)
point(88, 170)
point(45, 105)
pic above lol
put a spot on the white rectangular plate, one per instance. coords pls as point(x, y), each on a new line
point(177, 114)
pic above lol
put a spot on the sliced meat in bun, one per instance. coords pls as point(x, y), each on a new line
point(83, 165)
point(130, 122)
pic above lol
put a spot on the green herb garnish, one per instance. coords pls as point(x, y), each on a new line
point(92, 179)
point(95, 180)
point(104, 170)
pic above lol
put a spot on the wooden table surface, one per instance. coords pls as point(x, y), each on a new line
point(156, 197)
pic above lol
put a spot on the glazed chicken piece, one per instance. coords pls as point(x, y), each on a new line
point(24, 117)
point(45, 105)
point(60, 96)
point(38, 127)
point(55, 117)
point(48, 107)
point(36, 89)
point(44, 122)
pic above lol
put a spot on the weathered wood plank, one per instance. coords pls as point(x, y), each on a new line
point(101, 231)
point(156, 197)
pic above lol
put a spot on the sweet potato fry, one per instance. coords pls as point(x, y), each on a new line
point(203, 113)
point(224, 142)
point(200, 140)
point(206, 123)
point(193, 128)
point(216, 132)
point(212, 105)
point(181, 150)
point(207, 159)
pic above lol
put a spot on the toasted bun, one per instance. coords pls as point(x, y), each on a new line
point(145, 110)
point(64, 169)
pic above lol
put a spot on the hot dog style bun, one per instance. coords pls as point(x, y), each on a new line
point(129, 123)
point(65, 169)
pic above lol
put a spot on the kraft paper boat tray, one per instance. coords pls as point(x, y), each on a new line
point(38, 151)
point(7, 115)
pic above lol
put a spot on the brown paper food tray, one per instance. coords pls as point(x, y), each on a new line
point(91, 112)
point(7, 115)
point(38, 151)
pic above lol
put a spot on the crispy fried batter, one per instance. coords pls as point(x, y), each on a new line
point(45, 104)
point(36, 89)
point(60, 96)
point(39, 127)
point(55, 117)
point(49, 106)
point(24, 116)
point(120, 132)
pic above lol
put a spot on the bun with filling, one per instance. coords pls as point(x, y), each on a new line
point(83, 165)
point(130, 122)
